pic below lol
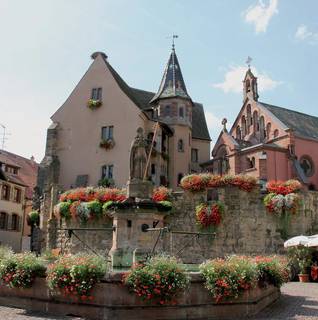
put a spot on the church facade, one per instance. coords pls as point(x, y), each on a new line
point(91, 133)
point(267, 141)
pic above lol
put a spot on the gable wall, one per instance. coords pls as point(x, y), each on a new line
point(79, 129)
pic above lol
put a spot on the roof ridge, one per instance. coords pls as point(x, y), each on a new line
point(284, 108)
point(2, 151)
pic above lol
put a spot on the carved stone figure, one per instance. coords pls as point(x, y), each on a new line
point(138, 156)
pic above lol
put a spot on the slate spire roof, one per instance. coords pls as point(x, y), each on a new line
point(172, 83)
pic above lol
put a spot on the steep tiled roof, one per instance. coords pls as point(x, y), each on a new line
point(303, 124)
point(27, 173)
point(142, 99)
point(172, 83)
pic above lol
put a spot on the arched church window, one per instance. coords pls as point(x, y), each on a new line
point(307, 165)
point(243, 124)
point(248, 85)
point(238, 133)
point(167, 111)
point(255, 121)
point(268, 130)
point(276, 133)
point(180, 145)
point(249, 116)
point(262, 127)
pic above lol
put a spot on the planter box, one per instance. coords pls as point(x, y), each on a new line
point(113, 301)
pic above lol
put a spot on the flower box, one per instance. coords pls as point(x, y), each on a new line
point(107, 144)
point(94, 104)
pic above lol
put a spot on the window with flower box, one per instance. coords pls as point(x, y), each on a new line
point(107, 133)
point(96, 94)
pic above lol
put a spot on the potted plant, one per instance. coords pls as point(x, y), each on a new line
point(303, 257)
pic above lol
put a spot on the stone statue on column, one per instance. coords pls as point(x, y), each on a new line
point(139, 185)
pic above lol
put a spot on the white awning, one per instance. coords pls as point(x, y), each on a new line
point(307, 241)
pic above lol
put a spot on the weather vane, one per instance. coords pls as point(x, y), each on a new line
point(248, 61)
point(174, 36)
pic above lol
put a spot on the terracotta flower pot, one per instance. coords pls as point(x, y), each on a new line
point(303, 277)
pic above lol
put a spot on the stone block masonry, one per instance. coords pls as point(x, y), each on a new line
point(246, 227)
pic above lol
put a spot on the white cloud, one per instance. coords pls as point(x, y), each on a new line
point(234, 76)
point(260, 14)
point(303, 34)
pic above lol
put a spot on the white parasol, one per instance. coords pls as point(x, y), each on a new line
point(296, 241)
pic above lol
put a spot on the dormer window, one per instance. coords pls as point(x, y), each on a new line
point(96, 94)
point(11, 169)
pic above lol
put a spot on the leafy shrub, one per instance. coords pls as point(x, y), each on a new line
point(159, 280)
point(95, 208)
point(63, 209)
point(228, 278)
point(76, 275)
point(19, 270)
point(301, 257)
point(272, 270)
point(33, 217)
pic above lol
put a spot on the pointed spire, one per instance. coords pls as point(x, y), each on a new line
point(172, 83)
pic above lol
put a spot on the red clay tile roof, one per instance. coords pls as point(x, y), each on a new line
point(28, 170)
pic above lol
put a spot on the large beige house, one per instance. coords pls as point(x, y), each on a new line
point(92, 132)
point(18, 177)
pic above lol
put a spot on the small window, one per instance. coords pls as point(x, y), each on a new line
point(180, 176)
point(108, 133)
point(5, 192)
point(153, 169)
point(167, 111)
point(96, 94)
point(181, 112)
point(248, 85)
point(15, 222)
point(307, 165)
point(17, 195)
point(194, 155)
point(251, 162)
point(180, 145)
point(108, 171)
point(3, 220)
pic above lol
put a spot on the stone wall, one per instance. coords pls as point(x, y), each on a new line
point(246, 227)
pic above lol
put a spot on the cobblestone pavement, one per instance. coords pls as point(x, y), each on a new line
point(299, 301)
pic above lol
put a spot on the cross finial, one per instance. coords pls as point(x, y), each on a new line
point(248, 61)
point(224, 122)
point(174, 36)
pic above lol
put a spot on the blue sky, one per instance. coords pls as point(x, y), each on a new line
point(46, 47)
